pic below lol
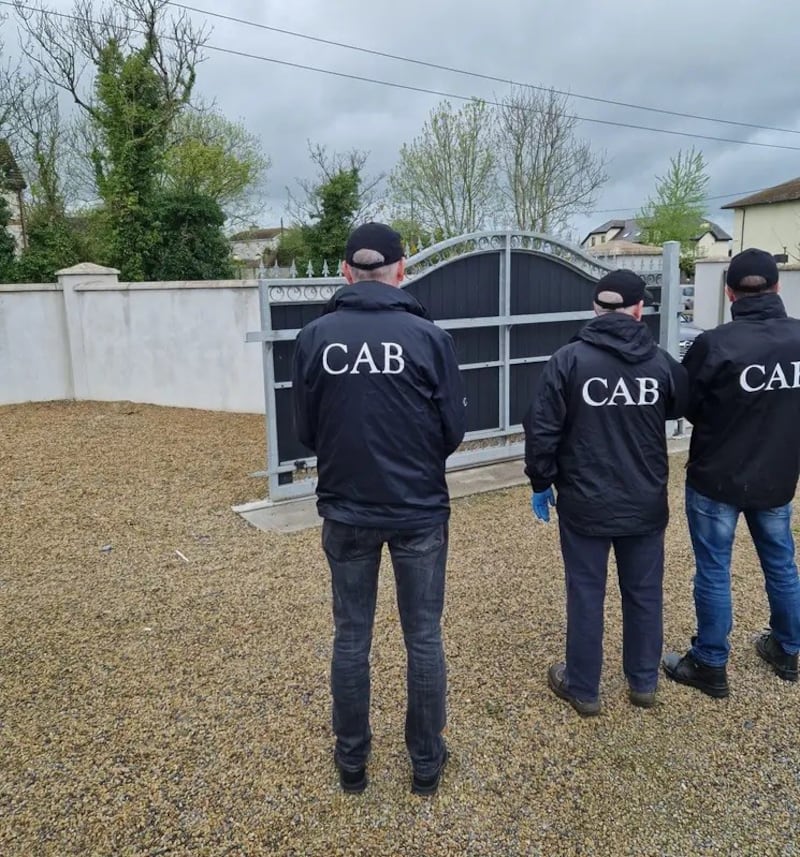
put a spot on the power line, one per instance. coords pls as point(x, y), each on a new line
point(424, 90)
point(476, 74)
point(456, 96)
point(741, 193)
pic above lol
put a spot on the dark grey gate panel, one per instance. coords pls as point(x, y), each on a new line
point(509, 300)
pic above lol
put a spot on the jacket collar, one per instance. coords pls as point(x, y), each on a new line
point(370, 296)
point(758, 307)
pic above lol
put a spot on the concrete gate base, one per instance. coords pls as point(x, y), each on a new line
point(292, 516)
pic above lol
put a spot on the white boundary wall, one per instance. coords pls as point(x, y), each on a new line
point(91, 337)
point(711, 306)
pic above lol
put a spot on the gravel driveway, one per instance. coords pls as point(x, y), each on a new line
point(164, 675)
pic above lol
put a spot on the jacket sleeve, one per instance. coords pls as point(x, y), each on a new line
point(544, 425)
point(449, 394)
point(698, 371)
point(678, 389)
point(305, 407)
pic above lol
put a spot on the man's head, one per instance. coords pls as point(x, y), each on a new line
point(751, 272)
point(374, 252)
point(620, 291)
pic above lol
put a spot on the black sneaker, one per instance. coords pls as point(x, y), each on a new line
point(713, 681)
point(771, 651)
point(429, 785)
point(352, 782)
point(555, 678)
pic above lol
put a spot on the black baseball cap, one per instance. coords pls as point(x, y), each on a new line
point(752, 263)
point(627, 288)
point(378, 237)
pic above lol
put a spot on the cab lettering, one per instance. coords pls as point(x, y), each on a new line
point(598, 392)
point(335, 359)
point(756, 377)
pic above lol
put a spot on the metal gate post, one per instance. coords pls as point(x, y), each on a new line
point(671, 304)
point(270, 410)
point(670, 299)
point(504, 337)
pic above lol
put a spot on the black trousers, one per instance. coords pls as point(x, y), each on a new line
point(640, 565)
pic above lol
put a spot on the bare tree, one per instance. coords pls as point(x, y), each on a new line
point(62, 47)
point(445, 180)
point(546, 174)
point(12, 87)
point(307, 206)
point(39, 138)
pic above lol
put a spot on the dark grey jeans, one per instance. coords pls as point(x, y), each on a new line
point(418, 558)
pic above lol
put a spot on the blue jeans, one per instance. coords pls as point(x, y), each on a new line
point(640, 569)
point(712, 526)
point(418, 558)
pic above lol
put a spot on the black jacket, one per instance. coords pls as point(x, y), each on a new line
point(745, 406)
point(378, 396)
point(596, 428)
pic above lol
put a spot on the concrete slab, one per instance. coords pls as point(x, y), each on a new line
point(293, 516)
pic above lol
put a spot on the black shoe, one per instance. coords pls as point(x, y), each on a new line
point(771, 651)
point(429, 785)
point(352, 782)
point(555, 678)
point(713, 681)
point(642, 698)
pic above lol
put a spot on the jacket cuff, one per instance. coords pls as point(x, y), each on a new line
point(539, 485)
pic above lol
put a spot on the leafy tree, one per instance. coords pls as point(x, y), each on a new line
point(446, 177)
point(338, 200)
point(191, 243)
point(144, 73)
point(546, 175)
point(333, 204)
point(292, 248)
point(220, 159)
point(7, 245)
point(53, 243)
point(415, 236)
point(307, 206)
point(677, 209)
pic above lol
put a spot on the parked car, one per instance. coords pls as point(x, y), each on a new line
point(688, 298)
point(687, 335)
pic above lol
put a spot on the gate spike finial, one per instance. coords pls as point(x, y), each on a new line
point(310, 269)
point(325, 269)
point(293, 269)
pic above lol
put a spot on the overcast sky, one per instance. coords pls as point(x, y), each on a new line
point(731, 59)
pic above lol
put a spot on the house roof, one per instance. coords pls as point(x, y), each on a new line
point(786, 192)
point(715, 229)
point(628, 229)
point(630, 232)
point(10, 175)
point(257, 234)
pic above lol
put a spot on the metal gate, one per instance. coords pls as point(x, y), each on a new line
point(509, 299)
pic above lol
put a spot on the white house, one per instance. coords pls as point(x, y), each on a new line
point(712, 241)
point(251, 246)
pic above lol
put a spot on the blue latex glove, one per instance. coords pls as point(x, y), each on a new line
point(540, 503)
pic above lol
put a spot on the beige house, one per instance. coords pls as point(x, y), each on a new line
point(769, 220)
point(12, 185)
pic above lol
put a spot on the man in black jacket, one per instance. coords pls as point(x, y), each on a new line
point(596, 430)
point(744, 406)
point(378, 396)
